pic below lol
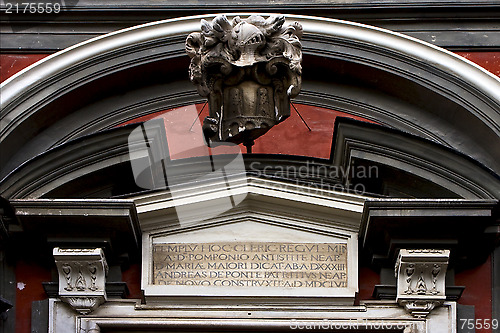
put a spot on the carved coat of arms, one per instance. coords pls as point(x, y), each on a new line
point(248, 69)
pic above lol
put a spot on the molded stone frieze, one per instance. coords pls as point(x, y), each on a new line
point(421, 279)
point(249, 69)
point(82, 277)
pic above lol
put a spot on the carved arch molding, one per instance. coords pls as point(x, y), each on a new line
point(393, 79)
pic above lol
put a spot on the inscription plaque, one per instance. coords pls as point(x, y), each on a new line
point(251, 264)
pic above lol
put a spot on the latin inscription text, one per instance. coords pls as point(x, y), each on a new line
point(252, 264)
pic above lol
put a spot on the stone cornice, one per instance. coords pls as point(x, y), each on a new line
point(108, 223)
point(463, 226)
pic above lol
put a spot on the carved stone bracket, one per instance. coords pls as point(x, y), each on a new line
point(420, 278)
point(82, 277)
point(248, 69)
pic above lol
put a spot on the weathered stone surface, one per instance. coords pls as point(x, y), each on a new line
point(251, 264)
point(249, 69)
point(250, 260)
point(420, 277)
point(82, 277)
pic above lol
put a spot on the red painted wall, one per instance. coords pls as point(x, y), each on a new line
point(132, 276)
point(315, 143)
point(290, 137)
point(477, 282)
point(488, 60)
point(10, 64)
point(367, 279)
point(29, 276)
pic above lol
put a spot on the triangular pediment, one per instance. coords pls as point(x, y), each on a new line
point(249, 196)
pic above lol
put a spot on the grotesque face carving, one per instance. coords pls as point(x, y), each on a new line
point(260, 58)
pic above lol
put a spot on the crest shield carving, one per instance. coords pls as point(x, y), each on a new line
point(248, 69)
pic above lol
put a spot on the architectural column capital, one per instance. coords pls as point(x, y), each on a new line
point(420, 275)
point(82, 277)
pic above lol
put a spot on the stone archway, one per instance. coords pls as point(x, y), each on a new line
point(384, 76)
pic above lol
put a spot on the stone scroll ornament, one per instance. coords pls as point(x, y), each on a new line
point(248, 69)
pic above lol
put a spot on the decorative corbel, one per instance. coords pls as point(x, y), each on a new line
point(249, 69)
point(420, 278)
point(82, 277)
